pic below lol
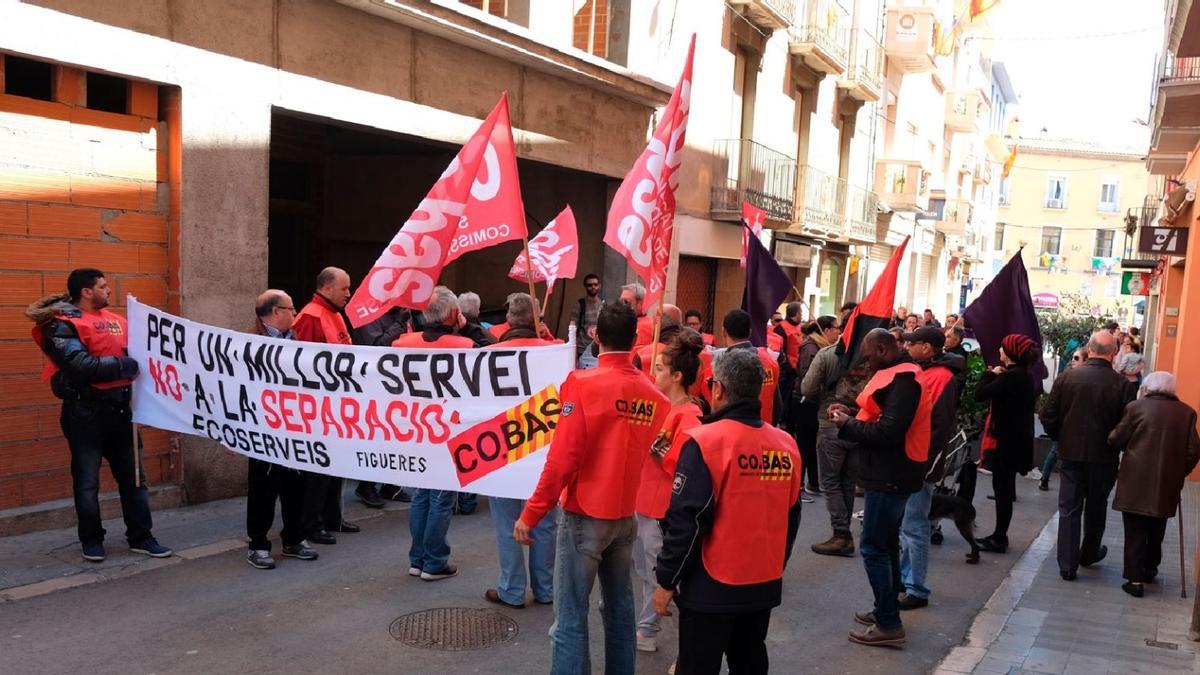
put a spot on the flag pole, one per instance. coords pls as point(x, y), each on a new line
point(659, 312)
point(537, 320)
point(546, 300)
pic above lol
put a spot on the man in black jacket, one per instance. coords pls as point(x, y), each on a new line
point(379, 333)
point(890, 404)
point(91, 371)
point(1084, 406)
point(737, 485)
point(939, 378)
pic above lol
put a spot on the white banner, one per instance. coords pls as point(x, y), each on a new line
point(476, 420)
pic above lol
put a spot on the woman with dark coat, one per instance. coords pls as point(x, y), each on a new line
point(1006, 447)
point(1158, 436)
point(818, 334)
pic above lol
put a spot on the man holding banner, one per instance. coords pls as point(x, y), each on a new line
point(321, 321)
point(610, 417)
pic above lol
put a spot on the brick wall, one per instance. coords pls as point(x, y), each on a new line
point(585, 23)
point(78, 188)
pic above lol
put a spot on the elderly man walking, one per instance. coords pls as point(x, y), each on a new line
point(1161, 446)
point(1083, 408)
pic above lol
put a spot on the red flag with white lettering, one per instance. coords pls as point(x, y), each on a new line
point(408, 269)
point(495, 213)
point(754, 218)
point(554, 252)
point(641, 219)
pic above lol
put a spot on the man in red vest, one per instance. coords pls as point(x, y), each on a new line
point(90, 370)
point(634, 295)
point(736, 330)
point(321, 321)
point(791, 332)
point(695, 320)
point(610, 418)
point(939, 374)
point(429, 515)
point(733, 517)
point(891, 428)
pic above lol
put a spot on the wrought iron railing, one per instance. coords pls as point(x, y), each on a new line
point(826, 24)
point(747, 171)
point(861, 209)
point(822, 203)
point(866, 60)
point(1177, 69)
point(785, 8)
point(1137, 218)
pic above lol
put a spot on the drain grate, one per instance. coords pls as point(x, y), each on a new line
point(453, 629)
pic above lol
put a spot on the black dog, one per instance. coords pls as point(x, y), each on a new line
point(962, 512)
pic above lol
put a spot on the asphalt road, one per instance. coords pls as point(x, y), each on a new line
point(219, 615)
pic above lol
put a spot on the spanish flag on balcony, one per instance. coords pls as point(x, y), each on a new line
point(1008, 163)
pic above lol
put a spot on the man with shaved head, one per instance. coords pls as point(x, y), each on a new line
point(1084, 406)
point(321, 321)
point(274, 314)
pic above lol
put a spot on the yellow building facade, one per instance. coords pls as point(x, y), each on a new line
point(1065, 203)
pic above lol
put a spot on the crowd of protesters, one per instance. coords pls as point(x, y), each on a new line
point(727, 445)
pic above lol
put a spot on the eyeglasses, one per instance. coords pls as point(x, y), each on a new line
point(1077, 358)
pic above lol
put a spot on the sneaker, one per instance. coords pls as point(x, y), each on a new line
point(805, 499)
point(414, 571)
point(858, 515)
point(874, 636)
point(151, 548)
point(93, 552)
point(301, 551)
point(260, 559)
point(646, 643)
point(444, 573)
point(368, 494)
point(840, 544)
point(909, 601)
point(1034, 474)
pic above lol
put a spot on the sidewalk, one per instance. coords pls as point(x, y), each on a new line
point(42, 562)
point(1037, 623)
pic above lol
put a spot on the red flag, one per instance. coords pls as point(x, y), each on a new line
point(753, 217)
point(554, 251)
point(642, 216)
point(408, 269)
point(495, 213)
point(875, 311)
point(978, 8)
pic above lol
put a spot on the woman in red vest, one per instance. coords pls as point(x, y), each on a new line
point(1006, 447)
point(675, 370)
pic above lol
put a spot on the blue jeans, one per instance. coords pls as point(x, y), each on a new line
point(588, 547)
point(914, 542)
point(1048, 465)
point(428, 522)
point(468, 502)
point(510, 583)
point(96, 431)
point(880, 546)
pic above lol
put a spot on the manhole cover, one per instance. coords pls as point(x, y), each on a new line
point(453, 629)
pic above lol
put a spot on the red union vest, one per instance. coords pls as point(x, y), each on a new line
point(645, 332)
point(916, 440)
point(333, 328)
point(766, 397)
point(756, 479)
point(654, 493)
point(448, 341)
point(699, 388)
point(791, 341)
point(775, 343)
point(522, 342)
point(498, 329)
point(104, 333)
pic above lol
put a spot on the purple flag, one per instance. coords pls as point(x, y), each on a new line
point(767, 286)
point(1005, 306)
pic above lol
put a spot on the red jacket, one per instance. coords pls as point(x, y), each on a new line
point(645, 332)
point(654, 494)
point(320, 321)
point(611, 415)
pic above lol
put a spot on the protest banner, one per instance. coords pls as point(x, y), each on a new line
point(452, 419)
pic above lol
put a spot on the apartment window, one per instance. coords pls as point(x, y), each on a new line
point(999, 237)
point(1056, 192)
point(1104, 243)
point(107, 93)
point(1005, 199)
point(28, 78)
point(591, 28)
point(1051, 240)
point(1109, 190)
point(494, 7)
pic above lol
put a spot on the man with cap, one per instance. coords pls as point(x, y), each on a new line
point(939, 371)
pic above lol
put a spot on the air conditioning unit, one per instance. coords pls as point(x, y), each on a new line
point(1054, 203)
point(1174, 202)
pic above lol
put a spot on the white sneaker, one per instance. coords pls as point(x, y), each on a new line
point(1034, 474)
point(858, 515)
point(414, 571)
point(671, 670)
point(646, 644)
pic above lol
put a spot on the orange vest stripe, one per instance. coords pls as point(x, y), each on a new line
point(916, 440)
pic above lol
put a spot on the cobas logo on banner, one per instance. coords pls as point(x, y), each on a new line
point(423, 418)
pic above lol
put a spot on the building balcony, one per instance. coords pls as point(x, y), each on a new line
point(821, 204)
point(863, 80)
point(862, 208)
point(1136, 219)
point(956, 217)
point(745, 171)
point(902, 185)
point(966, 111)
point(983, 170)
point(820, 40)
point(1176, 111)
point(909, 39)
point(767, 15)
